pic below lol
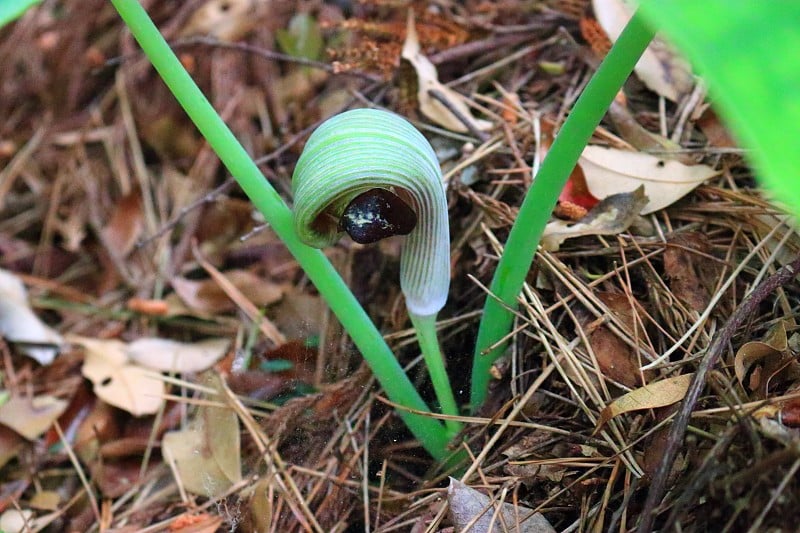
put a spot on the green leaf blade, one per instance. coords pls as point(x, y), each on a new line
point(749, 54)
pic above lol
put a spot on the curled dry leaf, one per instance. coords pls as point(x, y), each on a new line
point(206, 456)
point(18, 322)
point(660, 68)
point(116, 380)
point(611, 171)
point(611, 216)
point(768, 362)
point(658, 394)
point(168, 355)
point(428, 81)
point(30, 417)
point(466, 504)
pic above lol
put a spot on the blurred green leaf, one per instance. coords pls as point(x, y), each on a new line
point(303, 38)
point(11, 10)
point(749, 54)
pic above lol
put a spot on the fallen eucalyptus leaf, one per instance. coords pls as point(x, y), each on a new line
point(466, 504)
point(610, 171)
point(658, 394)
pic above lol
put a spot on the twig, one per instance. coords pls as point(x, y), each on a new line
point(255, 50)
point(185, 210)
point(482, 46)
point(748, 306)
point(470, 125)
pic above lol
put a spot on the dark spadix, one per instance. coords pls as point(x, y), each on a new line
point(377, 214)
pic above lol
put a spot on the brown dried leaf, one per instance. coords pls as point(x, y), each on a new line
point(260, 506)
point(778, 364)
point(616, 359)
point(658, 394)
point(242, 302)
point(300, 315)
point(98, 426)
point(634, 133)
point(126, 224)
point(116, 477)
point(790, 412)
point(684, 268)
point(714, 130)
point(10, 445)
point(208, 297)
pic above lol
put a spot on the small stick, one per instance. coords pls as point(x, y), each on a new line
point(482, 135)
point(478, 47)
point(255, 50)
point(745, 310)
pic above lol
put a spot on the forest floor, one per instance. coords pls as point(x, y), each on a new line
point(123, 241)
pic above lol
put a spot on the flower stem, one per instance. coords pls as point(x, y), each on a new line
point(541, 198)
point(425, 327)
point(431, 433)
